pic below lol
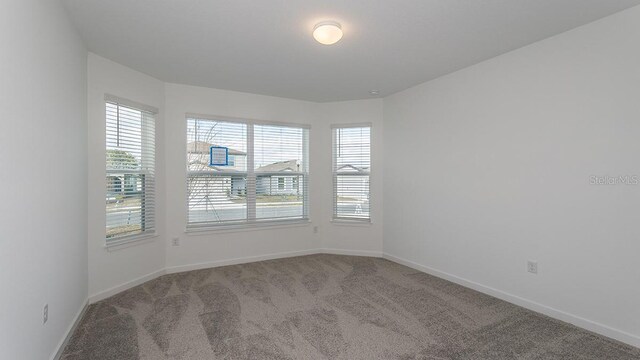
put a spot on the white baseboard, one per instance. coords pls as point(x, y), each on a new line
point(72, 328)
point(236, 261)
point(350, 252)
point(581, 322)
point(128, 285)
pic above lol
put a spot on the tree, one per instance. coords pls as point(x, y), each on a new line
point(121, 160)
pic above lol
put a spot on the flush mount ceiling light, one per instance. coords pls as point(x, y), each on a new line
point(327, 32)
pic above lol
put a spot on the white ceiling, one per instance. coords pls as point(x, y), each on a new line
point(266, 47)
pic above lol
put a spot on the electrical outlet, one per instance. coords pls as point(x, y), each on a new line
point(175, 241)
point(315, 229)
point(45, 313)
point(532, 267)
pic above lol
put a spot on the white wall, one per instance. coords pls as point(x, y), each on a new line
point(500, 156)
point(43, 256)
point(364, 239)
point(111, 268)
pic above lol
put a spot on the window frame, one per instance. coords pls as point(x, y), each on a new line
point(334, 175)
point(251, 221)
point(147, 174)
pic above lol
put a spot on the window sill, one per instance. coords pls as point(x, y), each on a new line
point(131, 241)
point(349, 222)
point(216, 229)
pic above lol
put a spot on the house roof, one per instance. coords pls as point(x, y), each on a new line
point(202, 147)
point(352, 168)
point(280, 166)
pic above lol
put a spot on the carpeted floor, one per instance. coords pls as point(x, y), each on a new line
point(322, 307)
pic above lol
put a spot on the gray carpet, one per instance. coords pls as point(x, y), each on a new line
point(322, 307)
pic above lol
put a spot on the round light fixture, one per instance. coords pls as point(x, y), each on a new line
point(327, 32)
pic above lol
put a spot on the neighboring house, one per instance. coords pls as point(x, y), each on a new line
point(273, 179)
point(122, 183)
point(198, 157)
point(119, 186)
point(356, 187)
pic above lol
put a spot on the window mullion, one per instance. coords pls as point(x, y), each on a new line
point(251, 176)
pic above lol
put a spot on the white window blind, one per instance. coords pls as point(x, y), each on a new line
point(351, 171)
point(266, 181)
point(130, 170)
point(281, 168)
